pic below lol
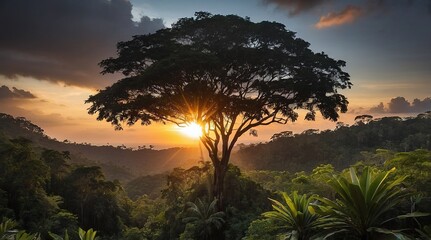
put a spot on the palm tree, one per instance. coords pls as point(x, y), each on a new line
point(90, 234)
point(22, 235)
point(8, 231)
point(296, 215)
point(6, 225)
point(205, 218)
point(362, 204)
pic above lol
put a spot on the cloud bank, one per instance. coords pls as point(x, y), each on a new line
point(340, 12)
point(64, 40)
point(401, 105)
point(6, 93)
point(295, 7)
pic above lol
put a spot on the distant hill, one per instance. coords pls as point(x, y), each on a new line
point(117, 162)
point(286, 151)
point(341, 147)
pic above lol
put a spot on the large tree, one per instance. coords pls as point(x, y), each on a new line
point(225, 73)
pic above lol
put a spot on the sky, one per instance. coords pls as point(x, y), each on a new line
point(50, 50)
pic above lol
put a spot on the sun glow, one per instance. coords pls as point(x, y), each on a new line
point(192, 130)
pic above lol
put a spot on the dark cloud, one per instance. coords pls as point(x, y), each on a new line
point(38, 117)
point(422, 106)
point(378, 109)
point(296, 7)
point(64, 40)
point(401, 105)
point(6, 93)
point(340, 12)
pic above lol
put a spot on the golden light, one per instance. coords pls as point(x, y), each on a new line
point(192, 130)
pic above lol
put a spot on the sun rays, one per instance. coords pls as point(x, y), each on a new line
point(192, 130)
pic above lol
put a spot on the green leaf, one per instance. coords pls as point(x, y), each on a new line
point(413, 215)
point(395, 233)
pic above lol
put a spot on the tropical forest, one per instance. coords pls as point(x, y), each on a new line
point(148, 120)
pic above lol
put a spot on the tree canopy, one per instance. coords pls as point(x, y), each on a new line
point(226, 73)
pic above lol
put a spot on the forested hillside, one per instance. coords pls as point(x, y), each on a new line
point(341, 147)
point(117, 162)
point(286, 151)
point(43, 192)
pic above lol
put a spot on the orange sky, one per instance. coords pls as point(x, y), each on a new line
point(61, 112)
point(386, 47)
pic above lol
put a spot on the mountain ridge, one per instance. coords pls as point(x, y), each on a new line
point(134, 162)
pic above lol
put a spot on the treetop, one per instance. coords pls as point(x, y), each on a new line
point(212, 67)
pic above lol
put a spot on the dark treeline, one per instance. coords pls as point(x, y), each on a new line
point(341, 147)
point(118, 162)
point(286, 151)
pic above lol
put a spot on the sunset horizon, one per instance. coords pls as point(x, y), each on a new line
point(215, 120)
point(54, 99)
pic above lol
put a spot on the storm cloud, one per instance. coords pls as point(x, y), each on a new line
point(64, 40)
point(7, 93)
point(401, 105)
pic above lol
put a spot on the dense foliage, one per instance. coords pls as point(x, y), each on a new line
point(342, 147)
point(41, 190)
point(117, 162)
point(362, 204)
point(47, 194)
point(296, 215)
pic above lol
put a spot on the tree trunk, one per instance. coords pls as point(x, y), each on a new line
point(218, 184)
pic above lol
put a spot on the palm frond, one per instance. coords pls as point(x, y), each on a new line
point(362, 202)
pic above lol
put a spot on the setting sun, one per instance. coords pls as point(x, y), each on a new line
point(192, 130)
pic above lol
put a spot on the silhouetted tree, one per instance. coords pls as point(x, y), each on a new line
point(225, 73)
point(363, 119)
point(284, 134)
